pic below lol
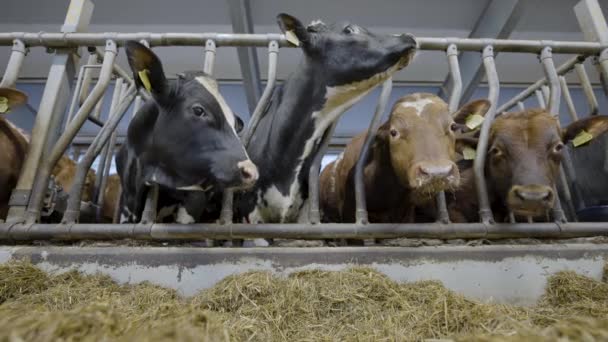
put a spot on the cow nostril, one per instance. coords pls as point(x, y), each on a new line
point(249, 172)
point(246, 174)
point(520, 195)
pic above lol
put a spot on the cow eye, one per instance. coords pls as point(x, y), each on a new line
point(558, 147)
point(453, 127)
point(394, 133)
point(198, 110)
point(495, 152)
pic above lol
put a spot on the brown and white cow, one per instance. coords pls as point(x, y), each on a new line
point(411, 159)
point(14, 144)
point(522, 164)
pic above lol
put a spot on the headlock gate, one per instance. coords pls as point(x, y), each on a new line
point(22, 223)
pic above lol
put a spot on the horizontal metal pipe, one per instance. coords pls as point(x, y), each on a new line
point(57, 39)
point(76, 232)
point(562, 69)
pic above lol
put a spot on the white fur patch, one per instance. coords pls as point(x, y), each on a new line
point(417, 105)
point(183, 217)
point(212, 87)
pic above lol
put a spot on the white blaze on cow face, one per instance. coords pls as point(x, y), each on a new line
point(212, 88)
point(418, 105)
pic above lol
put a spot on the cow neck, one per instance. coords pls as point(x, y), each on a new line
point(289, 123)
point(17, 136)
point(386, 182)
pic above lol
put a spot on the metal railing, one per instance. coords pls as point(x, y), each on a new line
point(25, 226)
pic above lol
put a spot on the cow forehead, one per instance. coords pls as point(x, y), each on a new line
point(530, 128)
point(211, 86)
point(418, 108)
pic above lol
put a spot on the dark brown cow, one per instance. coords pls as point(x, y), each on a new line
point(522, 164)
point(410, 161)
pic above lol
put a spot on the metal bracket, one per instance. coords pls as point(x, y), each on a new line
point(19, 197)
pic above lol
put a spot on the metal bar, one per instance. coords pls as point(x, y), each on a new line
point(87, 78)
point(104, 154)
point(546, 93)
point(587, 88)
point(454, 101)
point(11, 74)
point(110, 148)
point(33, 209)
point(198, 232)
point(209, 63)
point(546, 58)
point(497, 20)
point(56, 39)
point(360, 200)
point(485, 212)
point(75, 97)
point(568, 99)
point(540, 98)
point(562, 69)
point(73, 208)
point(520, 106)
point(240, 15)
point(314, 215)
point(273, 52)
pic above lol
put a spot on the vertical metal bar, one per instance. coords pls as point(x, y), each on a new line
point(88, 76)
point(520, 106)
point(361, 205)
point(33, 208)
point(11, 74)
point(102, 161)
point(603, 64)
point(454, 66)
point(109, 151)
point(73, 208)
point(540, 98)
point(209, 63)
point(568, 98)
point(75, 96)
point(273, 52)
point(51, 109)
point(544, 90)
point(587, 88)
point(485, 212)
point(546, 58)
point(314, 215)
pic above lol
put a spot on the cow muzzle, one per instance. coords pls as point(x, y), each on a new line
point(248, 173)
point(530, 200)
point(435, 177)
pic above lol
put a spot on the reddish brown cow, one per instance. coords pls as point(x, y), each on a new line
point(64, 173)
point(111, 198)
point(410, 161)
point(522, 164)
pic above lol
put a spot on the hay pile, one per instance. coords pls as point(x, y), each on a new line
point(357, 304)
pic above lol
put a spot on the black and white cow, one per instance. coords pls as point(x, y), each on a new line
point(341, 64)
point(184, 139)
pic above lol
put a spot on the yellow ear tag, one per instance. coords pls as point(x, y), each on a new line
point(3, 105)
point(582, 138)
point(143, 76)
point(469, 153)
point(291, 37)
point(473, 121)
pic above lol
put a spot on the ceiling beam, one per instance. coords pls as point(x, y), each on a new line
point(497, 20)
point(240, 15)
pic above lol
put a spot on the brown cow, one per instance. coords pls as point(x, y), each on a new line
point(64, 173)
point(111, 198)
point(411, 159)
point(522, 164)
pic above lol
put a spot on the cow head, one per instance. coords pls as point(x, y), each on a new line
point(192, 141)
point(420, 134)
point(524, 155)
point(347, 54)
point(64, 173)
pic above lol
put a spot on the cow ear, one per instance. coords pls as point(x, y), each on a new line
point(584, 130)
point(466, 146)
point(11, 98)
point(293, 29)
point(470, 116)
point(147, 69)
point(238, 124)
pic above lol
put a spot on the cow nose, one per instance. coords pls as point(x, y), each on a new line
point(249, 172)
point(535, 193)
point(428, 170)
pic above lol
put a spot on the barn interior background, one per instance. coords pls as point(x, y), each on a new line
point(242, 73)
